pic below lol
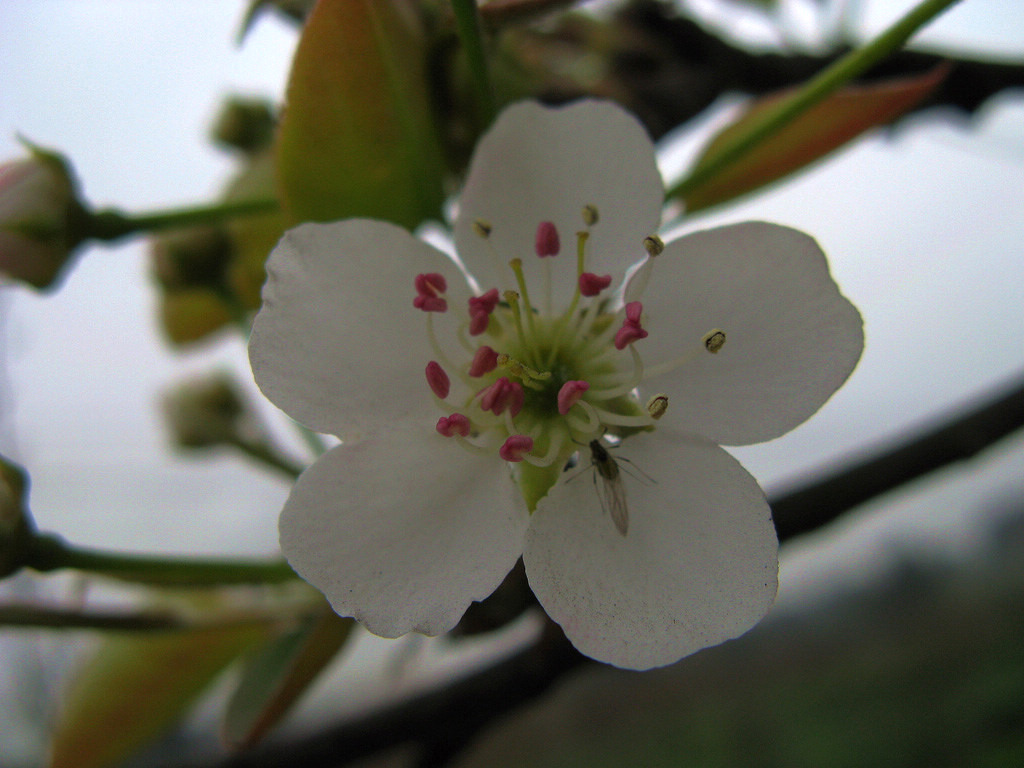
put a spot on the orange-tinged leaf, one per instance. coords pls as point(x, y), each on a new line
point(135, 687)
point(820, 130)
point(357, 137)
point(275, 678)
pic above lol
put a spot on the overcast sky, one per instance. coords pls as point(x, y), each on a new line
point(923, 228)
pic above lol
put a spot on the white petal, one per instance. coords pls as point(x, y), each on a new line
point(545, 164)
point(791, 338)
point(338, 344)
point(404, 530)
point(697, 567)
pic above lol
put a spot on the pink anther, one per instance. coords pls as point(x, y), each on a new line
point(438, 379)
point(480, 309)
point(515, 446)
point(591, 284)
point(633, 311)
point(570, 394)
point(547, 243)
point(631, 330)
point(456, 424)
point(502, 394)
point(485, 360)
point(429, 287)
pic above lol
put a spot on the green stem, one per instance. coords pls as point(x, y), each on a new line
point(111, 224)
point(49, 617)
point(467, 20)
point(822, 85)
point(266, 454)
point(49, 553)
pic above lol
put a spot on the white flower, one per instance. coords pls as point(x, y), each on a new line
point(460, 408)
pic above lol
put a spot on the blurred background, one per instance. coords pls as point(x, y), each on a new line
point(897, 628)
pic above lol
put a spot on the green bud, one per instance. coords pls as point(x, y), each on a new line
point(39, 217)
point(15, 525)
point(245, 124)
point(208, 411)
point(197, 257)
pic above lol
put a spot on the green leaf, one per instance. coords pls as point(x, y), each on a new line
point(134, 688)
point(357, 137)
point(275, 678)
point(825, 127)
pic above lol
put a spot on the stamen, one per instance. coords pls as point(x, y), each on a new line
point(436, 346)
point(591, 284)
point(546, 242)
point(438, 380)
point(524, 373)
point(590, 215)
point(429, 287)
point(631, 329)
point(456, 424)
point(515, 446)
point(553, 452)
point(714, 340)
point(484, 361)
point(657, 406)
point(502, 395)
point(588, 427)
point(622, 420)
point(630, 384)
point(480, 309)
point(654, 245)
point(570, 394)
point(517, 267)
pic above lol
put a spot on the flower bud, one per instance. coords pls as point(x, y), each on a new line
point(192, 258)
point(15, 527)
point(206, 412)
point(244, 124)
point(38, 211)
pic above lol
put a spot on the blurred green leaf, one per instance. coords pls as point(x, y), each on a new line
point(134, 688)
point(357, 137)
point(275, 678)
point(822, 129)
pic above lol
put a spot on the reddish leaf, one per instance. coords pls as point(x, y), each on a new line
point(275, 678)
point(135, 687)
point(820, 130)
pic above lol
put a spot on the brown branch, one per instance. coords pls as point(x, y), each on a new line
point(667, 69)
point(952, 440)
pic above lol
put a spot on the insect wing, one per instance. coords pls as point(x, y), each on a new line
point(612, 491)
point(613, 494)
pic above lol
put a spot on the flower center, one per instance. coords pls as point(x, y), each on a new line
point(535, 385)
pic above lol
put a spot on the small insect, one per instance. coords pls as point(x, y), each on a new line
point(612, 491)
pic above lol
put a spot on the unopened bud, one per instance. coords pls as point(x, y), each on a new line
point(15, 526)
point(206, 412)
point(245, 124)
point(192, 258)
point(38, 212)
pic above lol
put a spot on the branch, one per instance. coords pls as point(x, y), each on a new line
point(444, 720)
point(667, 69)
point(954, 439)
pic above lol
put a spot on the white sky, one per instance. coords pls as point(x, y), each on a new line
point(924, 231)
